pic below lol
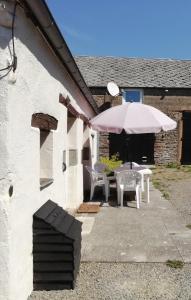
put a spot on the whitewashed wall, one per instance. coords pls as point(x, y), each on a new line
point(40, 79)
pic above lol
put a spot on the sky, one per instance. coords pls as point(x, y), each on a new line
point(125, 28)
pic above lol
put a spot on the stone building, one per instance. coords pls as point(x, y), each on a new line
point(162, 83)
point(44, 134)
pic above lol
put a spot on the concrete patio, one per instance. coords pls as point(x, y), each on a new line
point(154, 233)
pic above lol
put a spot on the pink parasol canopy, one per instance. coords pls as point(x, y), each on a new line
point(134, 118)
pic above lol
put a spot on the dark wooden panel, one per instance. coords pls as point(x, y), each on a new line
point(59, 239)
point(39, 224)
point(57, 257)
point(62, 223)
point(53, 276)
point(55, 214)
point(49, 286)
point(45, 231)
point(75, 230)
point(45, 210)
point(52, 248)
point(53, 266)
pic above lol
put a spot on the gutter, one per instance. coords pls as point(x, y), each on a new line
point(41, 16)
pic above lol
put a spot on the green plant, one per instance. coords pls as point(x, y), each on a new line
point(173, 165)
point(188, 226)
point(156, 184)
point(176, 264)
point(186, 168)
point(166, 195)
point(111, 163)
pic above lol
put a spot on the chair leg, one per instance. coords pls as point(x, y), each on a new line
point(142, 183)
point(140, 194)
point(108, 189)
point(121, 196)
point(148, 196)
point(118, 195)
point(137, 195)
point(92, 191)
point(106, 192)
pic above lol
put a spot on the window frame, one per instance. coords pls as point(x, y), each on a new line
point(44, 122)
point(132, 89)
point(46, 181)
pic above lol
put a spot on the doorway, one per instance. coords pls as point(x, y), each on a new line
point(186, 138)
point(133, 147)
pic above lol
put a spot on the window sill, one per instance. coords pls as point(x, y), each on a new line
point(44, 182)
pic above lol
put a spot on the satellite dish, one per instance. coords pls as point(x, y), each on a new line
point(113, 88)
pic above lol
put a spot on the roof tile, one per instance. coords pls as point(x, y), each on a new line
point(135, 72)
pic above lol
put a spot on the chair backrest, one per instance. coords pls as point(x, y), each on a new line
point(128, 164)
point(91, 172)
point(129, 179)
point(94, 175)
point(99, 167)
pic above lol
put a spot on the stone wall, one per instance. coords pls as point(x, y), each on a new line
point(104, 102)
point(173, 103)
point(168, 145)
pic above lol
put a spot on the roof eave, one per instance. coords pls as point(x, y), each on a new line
point(42, 17)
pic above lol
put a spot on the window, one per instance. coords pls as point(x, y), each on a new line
point(72, 129)
point(133, 95)
point(46, 124)
point(46, 157)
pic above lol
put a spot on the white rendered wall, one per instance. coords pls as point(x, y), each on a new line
point(40, 79)
point(5, 179)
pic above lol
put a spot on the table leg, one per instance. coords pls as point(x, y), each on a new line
point(147, 188)
point(142, 182)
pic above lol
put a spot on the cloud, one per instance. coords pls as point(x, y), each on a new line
point(76, 34)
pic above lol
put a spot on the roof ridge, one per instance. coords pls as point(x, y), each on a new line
point(132, 58)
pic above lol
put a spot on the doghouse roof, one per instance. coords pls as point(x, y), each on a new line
point(59, 219)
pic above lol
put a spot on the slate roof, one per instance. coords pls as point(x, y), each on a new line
point(135, 72)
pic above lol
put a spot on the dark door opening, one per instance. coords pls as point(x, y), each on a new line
point(133, 147)
point(186, 138)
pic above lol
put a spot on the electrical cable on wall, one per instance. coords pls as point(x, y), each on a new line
point(13, 65)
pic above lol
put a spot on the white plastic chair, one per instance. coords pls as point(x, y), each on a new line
point(100, 168)
point(128, 180)
point(128, 164)
point(98, 179)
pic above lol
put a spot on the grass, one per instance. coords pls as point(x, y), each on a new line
point(163, 175)
point(159, 185)
point(166, 195)
point(176, 264)
point(173, 165)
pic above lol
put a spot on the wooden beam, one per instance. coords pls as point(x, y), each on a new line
point(44, 121)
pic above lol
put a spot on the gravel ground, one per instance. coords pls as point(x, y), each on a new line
point(134, 281)
point(180, 196)
point(130, 281)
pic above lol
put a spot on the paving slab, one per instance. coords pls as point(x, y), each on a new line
point(154, 233)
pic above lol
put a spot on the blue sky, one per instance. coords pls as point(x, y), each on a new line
point(127, 28)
